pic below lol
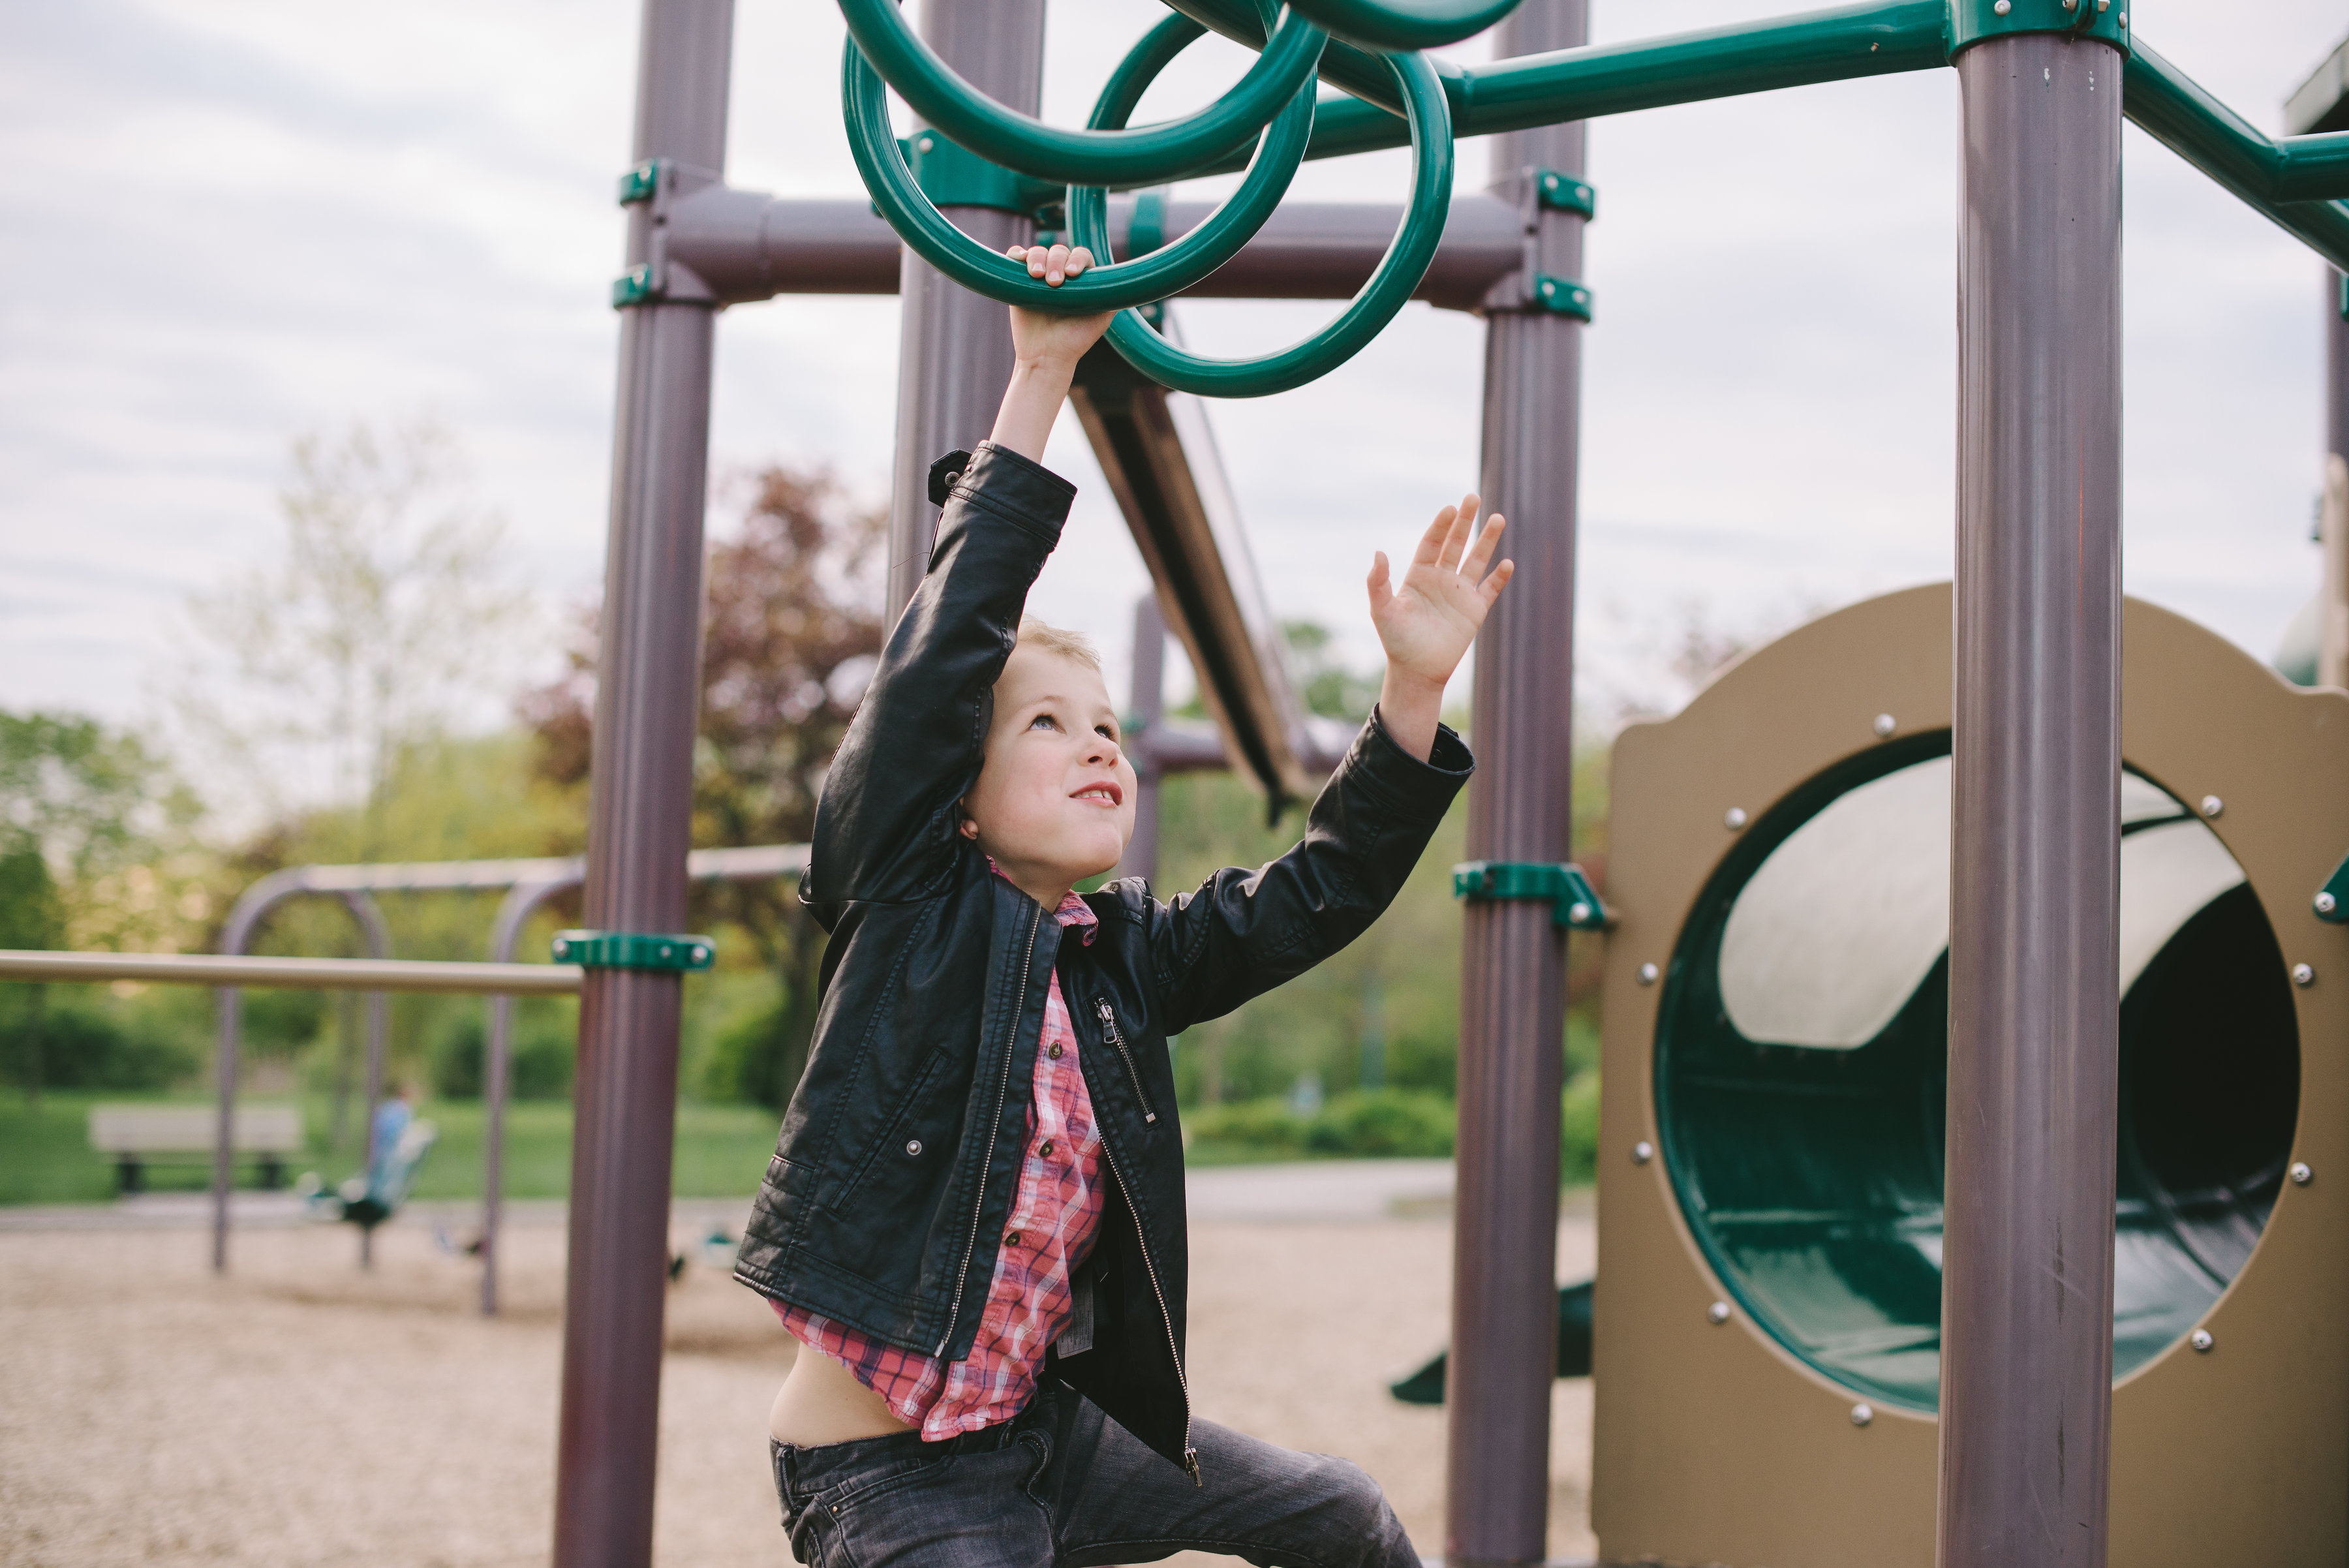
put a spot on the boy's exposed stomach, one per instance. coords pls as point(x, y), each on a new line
point(821, 1402)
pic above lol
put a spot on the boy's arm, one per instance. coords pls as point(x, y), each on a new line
point(1242, 932)
point(885, 824)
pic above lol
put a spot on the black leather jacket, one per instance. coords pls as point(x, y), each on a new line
point(884, 1205)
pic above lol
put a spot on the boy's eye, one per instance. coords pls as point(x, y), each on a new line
point(1105, 732)
point(1043, 721)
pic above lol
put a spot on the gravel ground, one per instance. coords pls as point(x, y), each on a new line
point(300, 1412)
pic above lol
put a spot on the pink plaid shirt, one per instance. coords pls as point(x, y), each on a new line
point(1054, 1214)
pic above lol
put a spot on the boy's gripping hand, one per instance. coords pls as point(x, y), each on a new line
point(1427, 622)
point(1045, 348)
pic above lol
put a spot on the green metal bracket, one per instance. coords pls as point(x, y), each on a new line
point(634, 949)
point(2344, 297)
point(1564, 193)
point(1561, 297)
point(639, 183)
point(1573, 901)
point(954, 176)
point(633, 286)
point(2333, 898)
point(1971, 21)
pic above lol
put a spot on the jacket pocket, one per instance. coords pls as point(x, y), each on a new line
point(892, 1134)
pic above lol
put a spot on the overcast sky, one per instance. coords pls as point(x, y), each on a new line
point(229, 223)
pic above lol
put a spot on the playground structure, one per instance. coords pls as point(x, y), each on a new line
point(2024, 689)
point(1780, 1060)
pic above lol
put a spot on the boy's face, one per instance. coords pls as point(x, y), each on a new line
point(1054, 800)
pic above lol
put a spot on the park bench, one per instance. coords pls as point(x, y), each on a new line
point(140, 1135)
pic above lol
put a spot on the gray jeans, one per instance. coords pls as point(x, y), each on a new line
point(1064, 1486)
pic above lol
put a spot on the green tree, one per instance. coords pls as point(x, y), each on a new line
point(791, 633)
point(384, 612)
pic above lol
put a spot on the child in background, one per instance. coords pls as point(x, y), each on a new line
point(974, 1220)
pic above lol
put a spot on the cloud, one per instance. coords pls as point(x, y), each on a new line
point(231, 224)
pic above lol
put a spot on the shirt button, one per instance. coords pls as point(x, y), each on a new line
point(913, 1146)
point(1046, 1151)
point(1011, 1238)
point(1055, 1052)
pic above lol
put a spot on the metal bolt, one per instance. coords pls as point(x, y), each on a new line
point(1643, 1152)
point(923, 145)
point(2304, 974)
point(1733, 819)
point(2301, 1173)
point(1577, 913)
point(2212, 805)
point(2200, 1340)
point(1718, 1312)
point(913, 1146)
point(1862, 1414)
point(2070, 4)
point(1648, 974)
point(2123, 19)
point(2003, 6)
point(2327, 903)
point(1884, 724)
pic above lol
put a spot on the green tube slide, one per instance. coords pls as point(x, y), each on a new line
point(1801, 1071)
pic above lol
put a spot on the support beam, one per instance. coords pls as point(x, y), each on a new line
point(640, 791)
point(1159, 457)
point(745, 247)
point(1520, 807)
point(954, 347)
point(2034, 1007)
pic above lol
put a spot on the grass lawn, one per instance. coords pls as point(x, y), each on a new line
point(44, 1154)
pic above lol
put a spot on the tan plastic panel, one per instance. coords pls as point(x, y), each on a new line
point(1713, 1445)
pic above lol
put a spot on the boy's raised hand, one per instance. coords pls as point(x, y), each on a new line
point(1043, 336)
point(1427, 621)
point(1045, 348)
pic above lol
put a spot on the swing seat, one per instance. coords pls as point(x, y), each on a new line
point(368, 1200)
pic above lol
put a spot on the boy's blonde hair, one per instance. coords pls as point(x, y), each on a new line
point(1076, 645)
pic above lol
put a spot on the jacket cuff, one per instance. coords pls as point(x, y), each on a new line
point(1396, 776)
point(1016, 489)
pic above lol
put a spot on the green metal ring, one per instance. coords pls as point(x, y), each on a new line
point(1138, 157)
point(1404, 24)
point(1399, 271)
point(922, 227)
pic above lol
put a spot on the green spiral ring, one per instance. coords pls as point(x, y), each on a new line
point(1122, 157)
point(1399, 272)
point(1108, 287)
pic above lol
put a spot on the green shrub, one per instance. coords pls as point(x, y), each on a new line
point(750, 1061)
point(1384, 1123)
point(1577, 1131)
point(64, 1045)
point(542, 1050)
point(1266, 1128)
point(1377, 1124)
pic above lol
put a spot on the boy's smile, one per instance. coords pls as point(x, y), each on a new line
point(1054, 800)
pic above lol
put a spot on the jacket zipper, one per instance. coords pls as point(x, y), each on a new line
point(1109, 1026)
point(1190, 1454)
point(1002, 1090)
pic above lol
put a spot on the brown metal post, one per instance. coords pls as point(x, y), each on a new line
point(641, 794)
point(2034, 1006)
point(954, 350)
point(1520, 807)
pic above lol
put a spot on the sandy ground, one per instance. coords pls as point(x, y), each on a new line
point(301, 1412)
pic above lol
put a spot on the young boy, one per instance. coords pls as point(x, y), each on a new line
point(974, 1220)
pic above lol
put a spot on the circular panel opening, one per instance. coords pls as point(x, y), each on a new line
point(1802, 1053)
